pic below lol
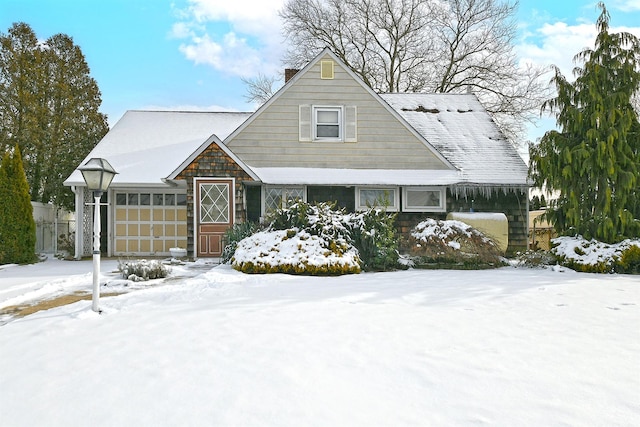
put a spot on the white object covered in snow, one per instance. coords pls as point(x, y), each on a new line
point(493, 225)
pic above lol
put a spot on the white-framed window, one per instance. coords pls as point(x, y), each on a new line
point(384, 197)
point(327, 123)
point(277, 197)
point(424, 199)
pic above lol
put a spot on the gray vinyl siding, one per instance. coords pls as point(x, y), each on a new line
point(272, 138)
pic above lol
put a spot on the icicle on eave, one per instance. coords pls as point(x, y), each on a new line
point(487, 191)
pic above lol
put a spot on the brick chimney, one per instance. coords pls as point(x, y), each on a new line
point(289, 73)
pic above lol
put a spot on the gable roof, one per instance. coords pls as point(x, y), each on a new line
point(146, 146)
point(459, 127)
point(328, 52)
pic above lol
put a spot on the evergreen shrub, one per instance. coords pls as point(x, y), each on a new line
point(593, 256)
point(294, 251)
point(367, 237)
point(629, 261)
point(232, 236)
point(374, 234)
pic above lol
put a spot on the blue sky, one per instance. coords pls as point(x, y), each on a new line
point(190, 54)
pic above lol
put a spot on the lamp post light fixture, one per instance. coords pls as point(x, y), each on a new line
point(97, 174)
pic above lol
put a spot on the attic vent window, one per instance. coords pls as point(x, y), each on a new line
point(326, 70)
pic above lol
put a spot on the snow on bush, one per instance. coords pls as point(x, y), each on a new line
point(142, 270)
point(367, 238)
point(452, 242)
point(597, 257)
point(441, 230)
point(374, 235)
point(294, 251)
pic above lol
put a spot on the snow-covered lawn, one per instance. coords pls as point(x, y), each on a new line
point(506, 347)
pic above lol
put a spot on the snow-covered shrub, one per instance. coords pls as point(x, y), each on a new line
point(327, 241)
point(453, 244)
point(629, 261)
point(592, 256)
point(319, 219)
point(294, 251)
point(371, 232)
point(232, 236)
point(374, 234)
point(141, 270)
point(534, 259)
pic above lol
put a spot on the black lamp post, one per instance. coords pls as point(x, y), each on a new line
point(98, 174)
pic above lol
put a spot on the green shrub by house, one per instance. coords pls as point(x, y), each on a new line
point(371, 232)
point(629, 261)
point(232, 236)
point(368, 238)
point(17, 227)
point(374, 235)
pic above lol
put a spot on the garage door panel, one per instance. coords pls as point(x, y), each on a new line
point(152, 226)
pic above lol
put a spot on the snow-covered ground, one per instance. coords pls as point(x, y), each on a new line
point(212, 346)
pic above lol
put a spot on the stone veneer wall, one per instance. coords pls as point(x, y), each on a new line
point(213, 163)
point(513, 204)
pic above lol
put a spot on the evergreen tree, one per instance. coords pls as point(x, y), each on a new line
point(593, 162)
point(534, 203)
point(17, 227)
point(5, 208)
point(49, 106)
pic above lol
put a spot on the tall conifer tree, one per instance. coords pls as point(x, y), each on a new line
point(17, 227)
point(593, 162)
point(49, 106)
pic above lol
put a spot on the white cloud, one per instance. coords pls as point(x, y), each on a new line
point(557, 44)
point(627, 5)
point(232, 55)
point(241, 37)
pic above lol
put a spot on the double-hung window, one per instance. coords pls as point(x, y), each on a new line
point(327, 123)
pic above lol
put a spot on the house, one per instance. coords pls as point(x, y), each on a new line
point(186, 177)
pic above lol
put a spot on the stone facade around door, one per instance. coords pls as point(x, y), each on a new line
point(213, 162)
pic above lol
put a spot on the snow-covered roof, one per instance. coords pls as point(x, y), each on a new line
point(329, 176)
point(146, 146)
point(463, 132)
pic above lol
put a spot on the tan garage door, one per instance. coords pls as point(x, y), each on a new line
point(149, 223)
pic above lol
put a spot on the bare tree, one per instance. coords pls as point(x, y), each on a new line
point(382, 41)
point(476, 54)
point(259, 89)
point(448, 46)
